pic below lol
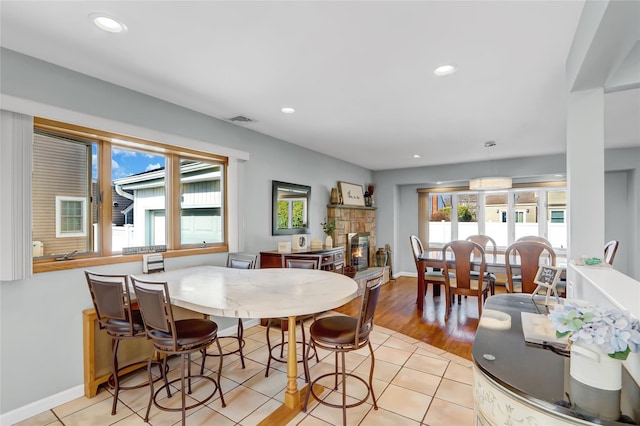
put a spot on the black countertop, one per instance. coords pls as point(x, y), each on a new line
point(536, 373)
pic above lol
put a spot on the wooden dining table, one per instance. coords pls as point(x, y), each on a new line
point(432, 258)
point(260, 293)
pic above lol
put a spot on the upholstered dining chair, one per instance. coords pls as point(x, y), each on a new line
point(341, 334)
point(457, 273)
point(119, 318)
point(237, 261)
point(526, 256)
point(306, 261)
point(175, 337)
point(433, 277)
point(610, 250)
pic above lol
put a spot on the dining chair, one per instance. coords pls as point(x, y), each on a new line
point(433, 277)
point(175, 337)
point(535, 238)
point(490, 247)
point(610, 250)
point(526, 256)
point(307, 261)
point(488, 244)
point(457, 273)
point(341, 334)
point(116, 315)
point(236, 261)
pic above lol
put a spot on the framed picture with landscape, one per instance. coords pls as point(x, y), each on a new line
point(351, 194)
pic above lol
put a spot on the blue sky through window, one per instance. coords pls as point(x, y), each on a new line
point(125, 162)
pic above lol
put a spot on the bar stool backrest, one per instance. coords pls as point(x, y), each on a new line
point(368, 308)
point(155, 305)
point(242, 260)
point(307, 261)
point(112, 302)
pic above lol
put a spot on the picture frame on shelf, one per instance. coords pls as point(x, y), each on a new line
point(284, 246)
point(352, 194)
point(299, 242)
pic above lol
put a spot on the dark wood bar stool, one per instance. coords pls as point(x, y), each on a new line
point(297, 262)
point(236, 261)
point(341, 334)
point(175, 337)
point(116, 315)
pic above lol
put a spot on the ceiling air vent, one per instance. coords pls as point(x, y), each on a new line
point(241, 119)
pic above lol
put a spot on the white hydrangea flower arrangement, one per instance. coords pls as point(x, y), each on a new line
point(613, 331)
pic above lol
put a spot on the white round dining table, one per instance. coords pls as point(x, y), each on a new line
point(259, 293)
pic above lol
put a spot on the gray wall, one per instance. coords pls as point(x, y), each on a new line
point(41, 317)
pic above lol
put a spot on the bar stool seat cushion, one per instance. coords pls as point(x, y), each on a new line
point(189, 333)
point(122, 326)
point(336, 330)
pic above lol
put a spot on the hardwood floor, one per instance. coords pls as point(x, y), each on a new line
point(397, 311)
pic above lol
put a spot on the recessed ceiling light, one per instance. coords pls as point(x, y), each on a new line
point(417, 156)
point(107, 23)
point(288, 110)
point(444, 70)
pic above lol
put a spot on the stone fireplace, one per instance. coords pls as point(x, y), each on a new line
point(358, 250)
point(354, 220)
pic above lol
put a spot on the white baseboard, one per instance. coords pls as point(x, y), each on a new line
point(42, 405)
point(405, 274)
point(63, 397)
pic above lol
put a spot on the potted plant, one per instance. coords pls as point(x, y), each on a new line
point(328, 228)
point(599, 340)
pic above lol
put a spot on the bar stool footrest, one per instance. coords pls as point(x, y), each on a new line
point(354, 404)
point(180, 409)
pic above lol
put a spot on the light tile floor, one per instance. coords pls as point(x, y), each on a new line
point(414, 383)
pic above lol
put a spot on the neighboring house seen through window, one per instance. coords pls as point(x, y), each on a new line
point(70, 217)
point(504, 215)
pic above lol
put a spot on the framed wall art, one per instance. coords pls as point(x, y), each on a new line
point(351, 194)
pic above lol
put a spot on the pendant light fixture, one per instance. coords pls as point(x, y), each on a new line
point(492, 182)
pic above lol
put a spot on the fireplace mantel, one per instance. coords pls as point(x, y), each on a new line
point(343, 206)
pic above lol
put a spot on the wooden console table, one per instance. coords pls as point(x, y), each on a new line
point(97, 353)
point(332, 258)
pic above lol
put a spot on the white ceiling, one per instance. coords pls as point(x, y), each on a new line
point(358, 73)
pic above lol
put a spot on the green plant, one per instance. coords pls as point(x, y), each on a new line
point(328, 227)
point(465, 214)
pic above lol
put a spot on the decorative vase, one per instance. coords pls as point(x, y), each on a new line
point(591, 366)
point(328, 242)
point(335, 197)
point(381, 257)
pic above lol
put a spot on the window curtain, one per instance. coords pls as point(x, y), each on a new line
point(423, 217)
point(16, 142)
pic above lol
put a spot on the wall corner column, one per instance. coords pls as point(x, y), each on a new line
point(585, 172)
